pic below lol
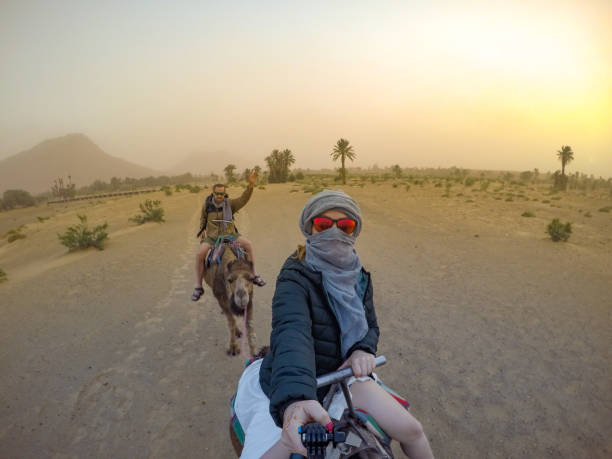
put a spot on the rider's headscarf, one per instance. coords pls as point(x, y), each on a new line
point(227, 210)
point(331, 253)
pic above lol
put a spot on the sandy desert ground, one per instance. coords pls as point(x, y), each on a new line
point(500, 338)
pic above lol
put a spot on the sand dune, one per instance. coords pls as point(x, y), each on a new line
point(499, 337)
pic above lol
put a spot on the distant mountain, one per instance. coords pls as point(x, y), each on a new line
point(75, 154)
point(204, 163)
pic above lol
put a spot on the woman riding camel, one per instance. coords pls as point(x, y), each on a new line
point(323, 319)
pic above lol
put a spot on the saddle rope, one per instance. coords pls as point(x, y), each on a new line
point(243, 338)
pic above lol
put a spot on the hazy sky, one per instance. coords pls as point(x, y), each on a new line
point(477, 84)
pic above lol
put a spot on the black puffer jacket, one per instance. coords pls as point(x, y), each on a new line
point(305, 339)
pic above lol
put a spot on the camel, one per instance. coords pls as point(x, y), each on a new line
point(232, 284)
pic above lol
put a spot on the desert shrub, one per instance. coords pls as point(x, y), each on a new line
point(407, 187)
point(438, 185)
point(459, 194)
point(79, 236)
point(2, 275)
point(195, 189)
point(43, 219)
point(555, 198)
point(527, 213)
point(17, 198)
point(509, 199)
point(588, 214)
point(167, 190)
point(261, 187)
point(15, 234)
point(545, 201)
point(151, 212)
point(605, 209)
point(559, 231)
point(395, 185)
point(484, 185)
point(469, 200)
point(299, 175)
point(293, 191)
point(469, 181)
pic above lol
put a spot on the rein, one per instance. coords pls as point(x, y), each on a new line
point(243, 338)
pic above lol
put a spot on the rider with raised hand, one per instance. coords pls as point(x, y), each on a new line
point(217, 219)
point(323, 318)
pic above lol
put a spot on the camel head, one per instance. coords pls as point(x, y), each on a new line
point(239, 284)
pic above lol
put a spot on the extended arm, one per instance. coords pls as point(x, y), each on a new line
point(293, 375)
point(239, 203)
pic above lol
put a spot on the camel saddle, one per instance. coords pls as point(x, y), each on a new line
point(215, 254)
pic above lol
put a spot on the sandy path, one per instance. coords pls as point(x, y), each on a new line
point(103, 355)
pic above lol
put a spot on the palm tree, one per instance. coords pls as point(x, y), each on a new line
point(287, 159)
point(344, 151)
point(565, 155)
point(278, 163)
point(273, 161)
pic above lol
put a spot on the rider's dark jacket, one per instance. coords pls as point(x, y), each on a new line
point(305, 338)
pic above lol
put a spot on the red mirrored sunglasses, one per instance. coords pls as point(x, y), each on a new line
point(324, 223)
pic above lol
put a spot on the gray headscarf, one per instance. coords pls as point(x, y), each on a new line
point(331, 253)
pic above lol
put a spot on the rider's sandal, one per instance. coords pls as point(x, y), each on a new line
point(257, 280)
point(197, 293)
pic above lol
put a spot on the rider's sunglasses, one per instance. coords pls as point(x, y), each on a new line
point(219, 193)
point(346, 225)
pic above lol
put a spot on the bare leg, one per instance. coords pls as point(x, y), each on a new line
point(392, 418)
point(199, 267)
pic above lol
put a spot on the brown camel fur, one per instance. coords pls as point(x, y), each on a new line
point(232, 284)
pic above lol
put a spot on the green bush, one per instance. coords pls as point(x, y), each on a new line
point(15, 234)
point(588, 214)
point(12, 199)
point(3, 276)
point(79, 236)
point(261, 187)
point(605, 209)
point(469, 181)
point(527, 213)
point(151, 212)
point(43, 219)
point(167, 190)
point(194, 189)
point(559, 231)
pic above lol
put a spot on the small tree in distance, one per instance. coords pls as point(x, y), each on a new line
point(343, 151)
point(397, 171)
point(566, 156)
point(229, 173)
